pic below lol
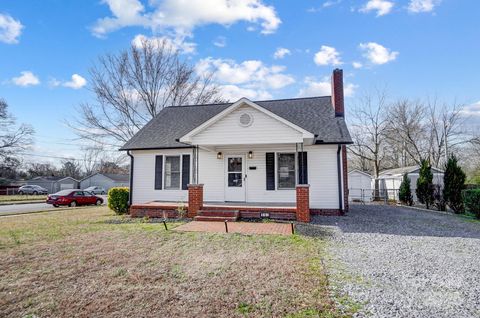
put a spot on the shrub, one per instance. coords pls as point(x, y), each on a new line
point(438, 199)
point(425, 184)
point(454, 183)
point(471, 198)
point(118, 200)
point(405, 191)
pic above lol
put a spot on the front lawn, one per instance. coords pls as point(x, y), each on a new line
point(18, 198)
point(73, 263)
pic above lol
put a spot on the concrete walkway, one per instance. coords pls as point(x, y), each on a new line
point(237, 227)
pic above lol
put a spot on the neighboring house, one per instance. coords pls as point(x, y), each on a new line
point(282, 156)
point(390, 180)
point(54, 184)
point(359, 185)
point(105, 180)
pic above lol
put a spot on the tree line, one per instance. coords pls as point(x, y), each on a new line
point(398, 133)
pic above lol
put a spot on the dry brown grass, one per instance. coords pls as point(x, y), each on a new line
point(73, 264)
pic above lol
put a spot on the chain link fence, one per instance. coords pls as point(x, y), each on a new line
point(369, 196)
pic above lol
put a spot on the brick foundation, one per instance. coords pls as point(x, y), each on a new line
point(303, 202)
point(195, 199)
point(139, 211)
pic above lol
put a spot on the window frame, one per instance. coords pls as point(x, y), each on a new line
point(277, 170)
point(179, 156)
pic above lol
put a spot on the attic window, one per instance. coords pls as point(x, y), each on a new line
point(246, 119)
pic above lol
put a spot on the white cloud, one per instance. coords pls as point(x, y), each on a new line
point(323, 87)
point(234, 92)
point(176, 44)
point(357, 65)
point(10, 29)
point(377, 54)
point(382, 7)
point(76, 82)
point(26, 78)
point(281, 52)
point(418, 6)
point(251, 72)
point(327, 56)
point(472, 110)
point(220, 41)
point(183, 16)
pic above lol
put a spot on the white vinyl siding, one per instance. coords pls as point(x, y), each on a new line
point(144, 177)
point(322, 175)
point(263, 130)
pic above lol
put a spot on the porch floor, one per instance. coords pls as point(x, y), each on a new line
point(237, 227)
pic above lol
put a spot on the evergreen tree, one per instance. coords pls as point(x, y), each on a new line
point(405, 192)
point(454, 183)
point(425, 184)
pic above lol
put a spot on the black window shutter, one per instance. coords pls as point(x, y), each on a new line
point(185, 171)
point(158, 172)
point(302, 168)
point(270, 168)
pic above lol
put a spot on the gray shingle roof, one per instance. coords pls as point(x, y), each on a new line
point(314, 114)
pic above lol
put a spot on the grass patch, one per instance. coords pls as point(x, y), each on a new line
point(16, 198)
point(74, 261)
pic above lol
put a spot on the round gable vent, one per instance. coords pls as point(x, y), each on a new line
point(246, 119)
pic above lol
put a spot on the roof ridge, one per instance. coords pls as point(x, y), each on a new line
point(293, 98)
point(255, 101)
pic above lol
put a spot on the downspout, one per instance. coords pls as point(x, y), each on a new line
point(339, 178)
point(130, 192)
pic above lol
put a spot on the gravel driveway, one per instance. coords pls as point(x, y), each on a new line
point(399, 262)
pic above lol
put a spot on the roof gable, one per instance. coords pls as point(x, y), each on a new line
point(226, 122)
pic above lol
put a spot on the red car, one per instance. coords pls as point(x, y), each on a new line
point(73, 198)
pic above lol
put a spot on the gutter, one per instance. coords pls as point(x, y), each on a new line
point(130, 192)
point(339, 178)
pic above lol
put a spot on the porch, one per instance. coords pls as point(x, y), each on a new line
point(243, 210)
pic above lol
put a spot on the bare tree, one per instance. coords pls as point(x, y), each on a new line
point(71, 168)
point(406, 131)
point(91, 159)
point(131, 87)
point(446, 131)
point(13, 138)
point(368, 131)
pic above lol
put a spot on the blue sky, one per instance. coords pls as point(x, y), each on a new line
point(418, 48)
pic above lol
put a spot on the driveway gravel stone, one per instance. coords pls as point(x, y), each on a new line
point(400, 262)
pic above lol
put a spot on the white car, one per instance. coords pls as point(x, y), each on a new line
point(96, 190)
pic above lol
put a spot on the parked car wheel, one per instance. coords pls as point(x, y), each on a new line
point(35, 193)
point(99, 202)
point(73, 204)
point(20, 192)
point(56, 205)
point(103, 192)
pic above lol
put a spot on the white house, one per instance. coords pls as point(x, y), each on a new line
point(360, 186)
point(390, 180)
point(255, 157)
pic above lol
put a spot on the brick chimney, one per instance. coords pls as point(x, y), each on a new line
point(337, 92)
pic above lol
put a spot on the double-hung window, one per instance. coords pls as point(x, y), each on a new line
point(286, 171)
point(172, 172)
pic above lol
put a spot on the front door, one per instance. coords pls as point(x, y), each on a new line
point(235, 178)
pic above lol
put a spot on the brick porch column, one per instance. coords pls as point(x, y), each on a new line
point(195, 199)
point(303, 202)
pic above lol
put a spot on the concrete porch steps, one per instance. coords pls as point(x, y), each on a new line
point(217, 215)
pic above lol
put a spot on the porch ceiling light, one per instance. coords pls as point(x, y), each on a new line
point(219, 155)
point(250, 154)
